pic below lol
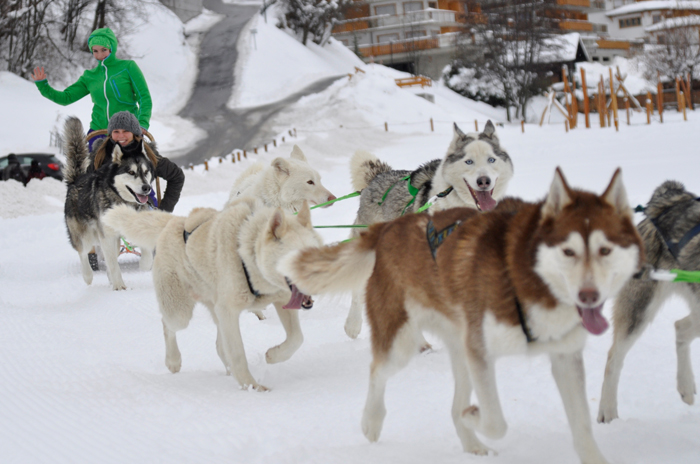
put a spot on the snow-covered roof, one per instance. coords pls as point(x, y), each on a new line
point(654, 5)
point(568, 47)
point(671, 23)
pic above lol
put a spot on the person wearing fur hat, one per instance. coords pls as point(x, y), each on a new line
point(124, 129)
point(114, 85)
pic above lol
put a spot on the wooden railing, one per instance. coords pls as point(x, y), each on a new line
point(414, 80)
point(574, 25)
point(404, 46)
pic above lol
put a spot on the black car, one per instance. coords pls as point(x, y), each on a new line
point(51, 165)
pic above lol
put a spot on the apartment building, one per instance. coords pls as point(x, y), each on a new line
point(404, 35)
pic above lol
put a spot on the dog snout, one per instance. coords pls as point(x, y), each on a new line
point(483, 182)
point(589, 296)
point(331, 197)
point(145, 189)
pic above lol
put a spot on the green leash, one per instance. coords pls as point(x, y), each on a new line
point(675, 275)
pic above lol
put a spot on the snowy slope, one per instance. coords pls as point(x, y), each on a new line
point(82, 368)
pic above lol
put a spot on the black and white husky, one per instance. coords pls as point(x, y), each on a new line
point(126, 180)
point(474, 173)
point(671, 235)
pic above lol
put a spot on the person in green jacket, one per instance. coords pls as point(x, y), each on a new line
point(114, 85)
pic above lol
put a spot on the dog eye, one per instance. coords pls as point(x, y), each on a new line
point(604, 251)
point(311, 182)
point(569, 252)
point(132, 173)
point(469, 161)
point(492, 160)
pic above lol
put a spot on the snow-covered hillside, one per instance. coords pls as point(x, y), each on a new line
point(82, 367)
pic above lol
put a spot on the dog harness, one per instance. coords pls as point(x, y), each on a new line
point(414, 192)
point(186, 235)
point(673, 247)
point(435, 239)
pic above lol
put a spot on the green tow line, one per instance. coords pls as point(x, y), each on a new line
point(675, 275)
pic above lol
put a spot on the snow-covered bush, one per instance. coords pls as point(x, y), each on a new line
point(312, 19)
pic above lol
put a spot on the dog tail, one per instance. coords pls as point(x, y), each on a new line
point(140, 227)
point(330, 269)
point(364, 167)
point(75, 148)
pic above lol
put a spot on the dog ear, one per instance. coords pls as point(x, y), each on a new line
point(297, 154)
point(277, 224)
point(616, 195)
point(117, 154)
point(490, 131)
point(559, 195)
point(458, 140)
point(304, 215)
point(281, 166)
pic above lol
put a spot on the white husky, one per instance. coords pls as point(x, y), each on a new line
point(227, 261)
point(285, 183)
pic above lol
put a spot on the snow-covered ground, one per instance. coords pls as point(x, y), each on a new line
point(82, 367)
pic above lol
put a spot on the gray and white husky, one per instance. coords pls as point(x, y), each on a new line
point(126, 180)
point(671, 235)
point(474, 173)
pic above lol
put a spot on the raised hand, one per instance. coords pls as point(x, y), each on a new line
point(39, 74)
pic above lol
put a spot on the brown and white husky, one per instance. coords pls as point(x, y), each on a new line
point(524, 278)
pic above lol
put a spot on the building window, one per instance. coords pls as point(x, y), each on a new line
point(432, 5)
point(631, 22)
point(656, 19)
point(386, 38)
point(385, 9)
point(661, 39)
point(414, 34)
point(412, 6)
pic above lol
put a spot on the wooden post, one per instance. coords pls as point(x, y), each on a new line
point(660, 100)
point(586, 108)
point(627, 108)
point(650, 102)
point(245, 155)
point(613, 98)
point(295, 133)
point(206, 165)
point(265, 148)
point(233, 157)
point(566, 125)
point(192, 167)
point(290, 132)
point(567, 91)
point(690, 101)
point(432, 129)
point(221, 160)
point(476, 125)
point(522, 125)
point(601, 103)
point(386, 127)
point(255, 149)
point(685, 118)
point(283, 139)
point(648, 111)
point(678, 94)
point(274, 142)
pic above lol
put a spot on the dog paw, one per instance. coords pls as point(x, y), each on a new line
point(353, 326)
point(687, 391)
point(480, 450)
point(371, 428)
point(173, 365)
point(256, 387)
point(607, 414)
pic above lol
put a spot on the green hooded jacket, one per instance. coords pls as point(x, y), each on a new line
point(114, 85)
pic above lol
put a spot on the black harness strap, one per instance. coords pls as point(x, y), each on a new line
point(436, 238)
point(674, 247)
point(247, 279)
point(523, 324)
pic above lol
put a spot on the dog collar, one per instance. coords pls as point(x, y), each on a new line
point(247, 279)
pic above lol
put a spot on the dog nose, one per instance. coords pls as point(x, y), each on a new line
point(483, 182)
point(588, 296)
point(146, 189)
point(331, 197)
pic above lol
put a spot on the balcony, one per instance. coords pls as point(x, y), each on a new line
point(575, 25)
point(442, 18)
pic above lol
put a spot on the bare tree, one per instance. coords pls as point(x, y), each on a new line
point(313, 19)
point(675, 54)
point(507, 45)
